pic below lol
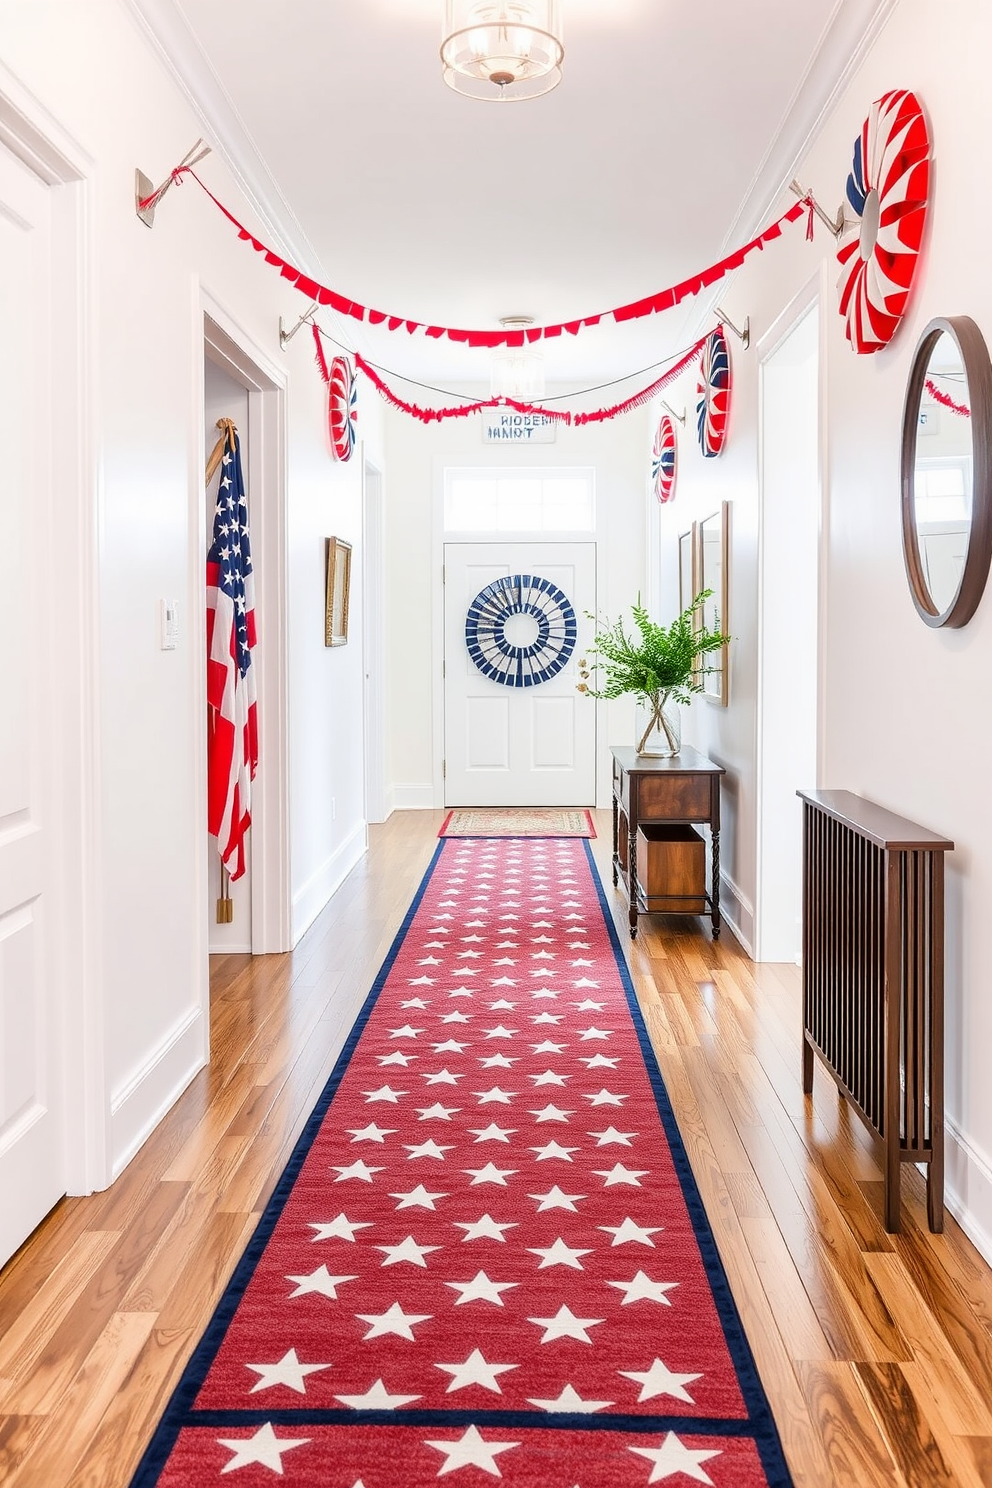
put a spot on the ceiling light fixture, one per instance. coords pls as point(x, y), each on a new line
point(517, 371)
point(502, 50)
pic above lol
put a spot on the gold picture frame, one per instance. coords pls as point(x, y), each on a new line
point(338, 587)
point(714, 574)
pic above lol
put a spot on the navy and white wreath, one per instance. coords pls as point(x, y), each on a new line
point(524, 658)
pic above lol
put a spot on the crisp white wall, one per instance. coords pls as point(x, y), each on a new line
point(417, 456)
point(98, 77)
point(906, 716)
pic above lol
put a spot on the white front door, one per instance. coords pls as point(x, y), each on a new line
point(32, 1162)
point(532, 740)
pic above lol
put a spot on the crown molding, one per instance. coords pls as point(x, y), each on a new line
point(165, 27)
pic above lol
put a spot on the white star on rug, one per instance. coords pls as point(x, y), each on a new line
point(492, 1133)
point(427, 1149)
point(595, 1033)
point(450, 1046)
point(606, 1098)
point(475, 1371)
point(619, 1174)
point(551, 1151)
point(358, 1170)
point(555, 1199)
point(384, 1093)
point(502, 1005)
point(547, 1018)
point(613, 1138)
point(565, 1324)
point(674, 1457)
point(437, 1112)
point(371, 1133)
point(443, 1077)
point(558, 1254)
point(456, 1017)
point(288, 1371)
point(549, 1078)
point(417, 1002)
point(548, 1047)
point(488, 1097)
point(499, 1061)
point(480, 1289)
point(264, 1447)
point(500, 1032)
point(393, 1320)
point(396, 1058)
point(629, 1233)
point(643, 1289)
point(319, 1281)
point(471, 1450)
point(485, 1228)
point(408, 1250)
point(545, 992)
point(417, 1198)
point(569, 1400)
point(433, 961)
point(377, 1397)
point(489, 1174)
point(552, 1113)
point(341, 1228)
point(659, 1380)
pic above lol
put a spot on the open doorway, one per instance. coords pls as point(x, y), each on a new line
point(789, 589)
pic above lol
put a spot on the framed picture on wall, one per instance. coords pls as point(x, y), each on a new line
point(688, 577)
point(714, 564)
point(338, 586)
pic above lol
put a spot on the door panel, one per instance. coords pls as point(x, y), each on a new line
point(517, 746)
point(32, 1163)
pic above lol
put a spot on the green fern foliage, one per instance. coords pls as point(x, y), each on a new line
point(666, 661)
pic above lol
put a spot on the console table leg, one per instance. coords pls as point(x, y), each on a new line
point(632, 869)
point(616, 839)
point(715, 887)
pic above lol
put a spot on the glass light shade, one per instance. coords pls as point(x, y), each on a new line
point(502, 50)
point(517, 372)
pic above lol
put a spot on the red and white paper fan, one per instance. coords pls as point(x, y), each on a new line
point(888, 187)
point(713, 394)
point(342, 398)
point(664, 463)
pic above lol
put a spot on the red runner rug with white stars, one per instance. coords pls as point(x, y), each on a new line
point(487, 1258)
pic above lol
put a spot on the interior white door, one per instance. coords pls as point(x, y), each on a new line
point(32, 1163)
point(517, 745)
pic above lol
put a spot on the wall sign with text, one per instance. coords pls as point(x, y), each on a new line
point(504, 426)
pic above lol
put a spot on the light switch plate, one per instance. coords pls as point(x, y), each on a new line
point(169, 609)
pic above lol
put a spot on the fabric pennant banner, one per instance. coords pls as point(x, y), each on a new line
point(488, 1257)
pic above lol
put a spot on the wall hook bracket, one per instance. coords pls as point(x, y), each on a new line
point(836, 225)
point(147, 195)
point(669, 409)
point(744, 335)
point(286, 336)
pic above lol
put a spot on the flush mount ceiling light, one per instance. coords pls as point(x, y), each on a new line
point(502, 50)
point(517, 371)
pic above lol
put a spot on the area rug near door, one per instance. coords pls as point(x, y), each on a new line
point(487, 1257)
point(516, 821)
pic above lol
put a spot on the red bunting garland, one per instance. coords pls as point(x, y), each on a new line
point(462, 410)
point(665, 299)
point(946, 400)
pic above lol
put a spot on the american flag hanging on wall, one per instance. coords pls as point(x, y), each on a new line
point(232, 750)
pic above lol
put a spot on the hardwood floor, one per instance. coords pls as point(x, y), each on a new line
point(875, 1350)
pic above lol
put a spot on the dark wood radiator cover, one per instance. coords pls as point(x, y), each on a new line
point(873, 977)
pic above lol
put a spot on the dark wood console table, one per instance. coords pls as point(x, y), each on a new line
point(683, 789)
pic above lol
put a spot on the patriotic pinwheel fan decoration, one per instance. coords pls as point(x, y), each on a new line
point(513, 661)
point(664, 462)
point(713, 394)
point(342, 397)
point(888, 187)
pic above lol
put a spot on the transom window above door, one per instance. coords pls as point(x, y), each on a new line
point(489, 499)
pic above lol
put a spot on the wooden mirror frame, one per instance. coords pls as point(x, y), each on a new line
point(978, 370)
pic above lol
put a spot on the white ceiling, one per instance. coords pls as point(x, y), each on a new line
point(669, 141)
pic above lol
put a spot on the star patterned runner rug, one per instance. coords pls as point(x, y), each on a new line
point(516, 821)
point(487, 1258)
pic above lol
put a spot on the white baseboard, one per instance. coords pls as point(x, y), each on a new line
point(969, 1189)
point(410, 798)
point(309, 900)
point(738, 911)
point(137, 1106)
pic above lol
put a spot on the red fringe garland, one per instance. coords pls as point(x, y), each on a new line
point(462, 410)
point(946, 401)
point(319, 354)
point(665, 299)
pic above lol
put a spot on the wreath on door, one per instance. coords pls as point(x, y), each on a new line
point(520, 662)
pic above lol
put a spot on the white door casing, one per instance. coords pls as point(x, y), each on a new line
point(508, 745)
point(32, 1149)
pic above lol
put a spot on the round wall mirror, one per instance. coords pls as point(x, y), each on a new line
point(947, 470)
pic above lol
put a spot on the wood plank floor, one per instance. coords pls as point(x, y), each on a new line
point(875, 1350)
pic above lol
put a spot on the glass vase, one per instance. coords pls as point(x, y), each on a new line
point(658, 727)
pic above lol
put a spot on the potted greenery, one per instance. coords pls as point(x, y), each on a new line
point(663, 669)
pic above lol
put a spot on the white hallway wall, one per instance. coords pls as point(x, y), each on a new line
point(906, 712)
point(91, 67)
point(417, 456)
